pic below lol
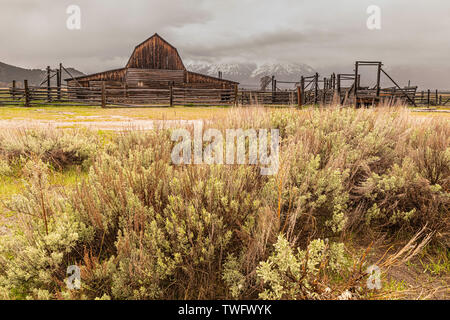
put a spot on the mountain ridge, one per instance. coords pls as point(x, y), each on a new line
point(8, 73)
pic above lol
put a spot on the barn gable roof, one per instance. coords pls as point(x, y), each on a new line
point(155, 53)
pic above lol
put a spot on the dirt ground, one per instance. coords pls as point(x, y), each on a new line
point(107, 124)
point(125, 118)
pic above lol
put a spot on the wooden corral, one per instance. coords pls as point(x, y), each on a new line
point(154, 64)
point(334, 89)
point(344, 89)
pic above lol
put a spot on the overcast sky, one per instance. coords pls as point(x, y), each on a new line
point(326, 34)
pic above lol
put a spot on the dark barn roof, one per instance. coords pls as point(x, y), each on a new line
point(115, 75)
point(153, 53)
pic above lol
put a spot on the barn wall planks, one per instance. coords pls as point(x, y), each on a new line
point(153, 77)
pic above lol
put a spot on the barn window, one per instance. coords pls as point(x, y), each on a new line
point(140, 83)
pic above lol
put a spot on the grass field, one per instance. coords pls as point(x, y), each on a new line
point(354, 188)
point(80, 113)
point(89, 113)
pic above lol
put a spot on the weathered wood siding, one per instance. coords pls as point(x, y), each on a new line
point(153, 77)
point(156, 53)
point(78, 83)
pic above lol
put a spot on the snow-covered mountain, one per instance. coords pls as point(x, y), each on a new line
point(231, 71)
point(287, 71)
point(249, 74)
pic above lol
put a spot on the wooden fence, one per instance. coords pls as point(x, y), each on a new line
point(173, 96)
point(128, 97)
point(433, 98)
point(139, 97)
point(36, 96)
point(256, 97)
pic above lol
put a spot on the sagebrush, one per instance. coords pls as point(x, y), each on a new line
point(142, 228)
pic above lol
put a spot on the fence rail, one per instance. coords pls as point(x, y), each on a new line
point(173, 96)
point(104, 96)
point(433, 98)
point(288, 97)
point(29, 96)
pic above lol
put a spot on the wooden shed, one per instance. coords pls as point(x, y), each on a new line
point(155, 63)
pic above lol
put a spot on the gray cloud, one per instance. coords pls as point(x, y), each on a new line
point(274, 42)
point(326, 34)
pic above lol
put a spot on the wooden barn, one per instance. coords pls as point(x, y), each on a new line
point(155, 63)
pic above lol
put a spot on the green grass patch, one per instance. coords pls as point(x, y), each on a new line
point(10, 186)
point(436, 261)
point(80, 113)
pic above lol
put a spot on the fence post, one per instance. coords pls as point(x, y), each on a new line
point(58, 82)
point(27, 93)
point(13, 93)
point(274, 89)
point(299, 96)
point(428, 97)
point(103, 95)
point(171, 94)
point(356, 79)
point(302, 87)
point(236, 102)
point(379, 80)
point(437, 97)
point(316, 88)
point(338, 86)
point(49, 98)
